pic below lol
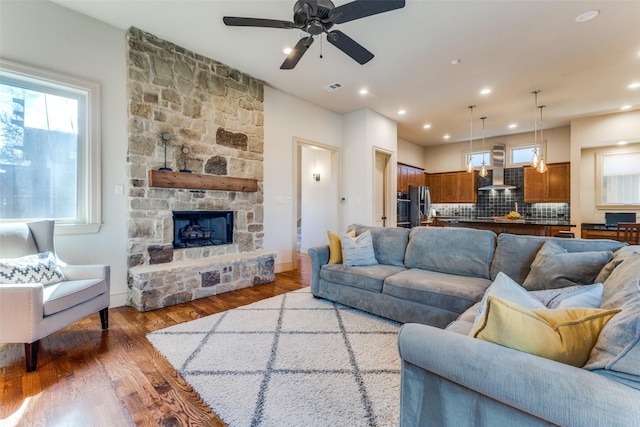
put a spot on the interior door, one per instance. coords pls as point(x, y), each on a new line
point(379, 185)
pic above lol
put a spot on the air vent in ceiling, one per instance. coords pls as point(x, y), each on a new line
point(332, 87)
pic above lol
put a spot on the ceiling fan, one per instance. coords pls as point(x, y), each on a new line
point(315, 17)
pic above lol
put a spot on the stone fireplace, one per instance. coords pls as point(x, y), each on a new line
point(190, 112)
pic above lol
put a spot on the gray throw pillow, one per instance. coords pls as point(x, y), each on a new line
point(357, 251)
point(554, 267)
point(618, 347)
point(579, 296)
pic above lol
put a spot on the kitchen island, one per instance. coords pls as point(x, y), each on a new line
point(532, 227)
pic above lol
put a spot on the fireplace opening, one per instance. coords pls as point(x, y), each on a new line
point(202, 228)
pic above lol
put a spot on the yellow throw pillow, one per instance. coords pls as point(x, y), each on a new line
point(565, 335)
point(335, 246)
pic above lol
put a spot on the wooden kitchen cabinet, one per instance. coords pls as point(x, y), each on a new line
point(453, 187)
point(409, 175)
point(552, 186)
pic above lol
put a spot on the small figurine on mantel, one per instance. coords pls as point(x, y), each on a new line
point(166, 136)
point(185, 158)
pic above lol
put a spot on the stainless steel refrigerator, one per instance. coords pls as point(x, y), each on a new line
point(419, 205)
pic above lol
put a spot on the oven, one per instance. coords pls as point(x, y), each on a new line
point(403, 210)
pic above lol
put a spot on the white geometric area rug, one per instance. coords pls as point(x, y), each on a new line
point(290, 360)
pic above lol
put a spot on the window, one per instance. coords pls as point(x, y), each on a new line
point(522, 155)
point(49, 148)
point(618, 178)
point(477, 157)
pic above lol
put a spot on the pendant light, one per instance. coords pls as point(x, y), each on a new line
point(535, 160)
point(483, 168)
point(542, 167)
point(470, 160)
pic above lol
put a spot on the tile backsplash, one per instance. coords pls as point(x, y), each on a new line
point(500, 203)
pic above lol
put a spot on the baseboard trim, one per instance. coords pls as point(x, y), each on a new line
point(283, 266)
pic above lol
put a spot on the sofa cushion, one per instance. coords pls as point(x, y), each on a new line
point(389, 243)
point(554, 267)
point(515, 253)
point(39, 268)
point(357, 251)
point(618, 347)
point(64, 295)
point(464, 323)
point(442, 290)
point(458, 251)
point(369, 277)
point(565, 335)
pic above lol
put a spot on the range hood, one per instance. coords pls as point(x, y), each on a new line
point(498, 170)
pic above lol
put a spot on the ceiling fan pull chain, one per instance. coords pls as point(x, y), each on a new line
point(321, 46)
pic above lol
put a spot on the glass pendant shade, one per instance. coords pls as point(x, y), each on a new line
point(483, 170)
point(470, 164)
point(535, 160)
point(542, 167)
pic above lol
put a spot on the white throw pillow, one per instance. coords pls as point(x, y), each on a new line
point(40, 268)
point(584, 296)
point(507, 289)
point(357, 251)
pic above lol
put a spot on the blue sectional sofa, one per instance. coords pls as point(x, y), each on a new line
point(433, 278)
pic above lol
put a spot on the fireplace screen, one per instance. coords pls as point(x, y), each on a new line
point(202, 228)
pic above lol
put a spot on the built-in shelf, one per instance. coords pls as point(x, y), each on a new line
point(196, 181)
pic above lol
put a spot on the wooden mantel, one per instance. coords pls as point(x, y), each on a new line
point(196, 181)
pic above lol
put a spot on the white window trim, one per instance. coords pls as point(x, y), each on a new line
point(465, 157)
point(89, 194)
point(600, 154)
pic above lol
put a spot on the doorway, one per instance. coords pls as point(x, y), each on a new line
point(384, 214)
point(316, 205)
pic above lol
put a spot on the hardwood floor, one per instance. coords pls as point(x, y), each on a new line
point(87, 377)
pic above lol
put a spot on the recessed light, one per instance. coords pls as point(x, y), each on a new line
point(622, 143)
point(587, 16)
point(427, 126)
point(446, 136)
point(513, 126)
point(455, 61)
point(485, 91)
point(634, 85)
point(402, 112)
point(287, 50)
point(625, 107)
point(363, 91)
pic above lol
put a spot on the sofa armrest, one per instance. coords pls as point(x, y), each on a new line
point(21, 310)
point(555, 392)
point(80, 272)
point(319, 257)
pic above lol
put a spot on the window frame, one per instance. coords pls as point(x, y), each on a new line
point(541, 145)
point(478, 153)
point(89, 214)
point(599, 177)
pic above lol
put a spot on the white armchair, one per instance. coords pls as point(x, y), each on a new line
point(31, 311)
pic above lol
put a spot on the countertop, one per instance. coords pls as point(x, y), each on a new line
point(502, 220)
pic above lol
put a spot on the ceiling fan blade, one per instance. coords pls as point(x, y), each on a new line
point(349, 46)
point(301, 47)
point(362, 8)
point(234, 21)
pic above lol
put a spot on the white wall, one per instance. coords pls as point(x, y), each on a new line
point(48, 36)
point(410, 153)
point(286, 119)
point(318, 198)
point(450, 157)
point(587, 133)
point(363, 132)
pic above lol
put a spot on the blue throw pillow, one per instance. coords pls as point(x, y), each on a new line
point(357, 251)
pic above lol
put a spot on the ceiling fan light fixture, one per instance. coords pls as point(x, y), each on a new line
point(287, 50)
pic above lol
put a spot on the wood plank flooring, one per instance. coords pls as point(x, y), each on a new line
point(87, 377)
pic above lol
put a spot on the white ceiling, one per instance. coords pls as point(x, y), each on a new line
point(512, 47)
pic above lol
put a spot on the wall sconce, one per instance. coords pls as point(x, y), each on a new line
point(316, 176)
